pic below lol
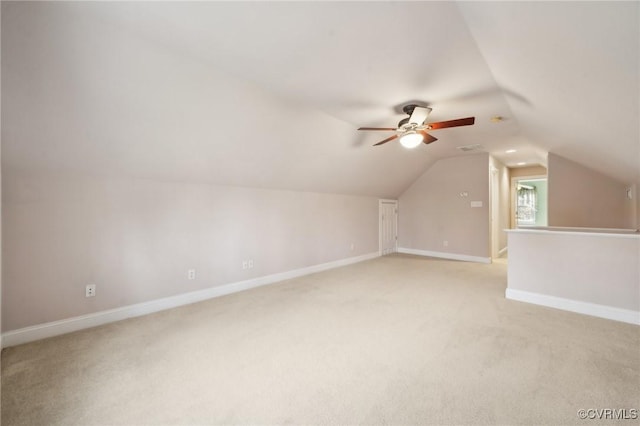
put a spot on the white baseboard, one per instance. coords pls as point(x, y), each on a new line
point(55, 328)
point(502, 251)
point(452, 256)
point(601, 311)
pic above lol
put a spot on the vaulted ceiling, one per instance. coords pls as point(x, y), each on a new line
point(270, 94)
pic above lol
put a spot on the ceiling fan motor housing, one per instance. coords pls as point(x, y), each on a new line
point(408, 109)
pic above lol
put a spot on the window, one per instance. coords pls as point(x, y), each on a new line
point(527, 204)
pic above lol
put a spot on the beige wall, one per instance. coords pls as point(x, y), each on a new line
point(596, 268)
point(136, 239)
point(581, 197)
point(431, 210)
point(528, 171)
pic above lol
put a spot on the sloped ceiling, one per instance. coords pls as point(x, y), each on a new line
point(270, 94)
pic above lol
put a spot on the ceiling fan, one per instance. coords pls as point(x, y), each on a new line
point(411, 130)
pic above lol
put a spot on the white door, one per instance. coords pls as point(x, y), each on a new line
point(388, 226)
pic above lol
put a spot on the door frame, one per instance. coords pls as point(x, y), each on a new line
point(494, 212)
point(380, 203)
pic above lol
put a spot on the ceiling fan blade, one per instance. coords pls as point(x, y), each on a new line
point(427, 137)
point(452, 123)
point(386, 140)
point(378, 128)
point(419, 114)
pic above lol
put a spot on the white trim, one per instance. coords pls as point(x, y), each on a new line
point(503, 251)
point(601, 311)
point(55, 328)
point(596, 232)
point(452, 256)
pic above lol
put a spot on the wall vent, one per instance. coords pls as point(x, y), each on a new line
point(467, 148)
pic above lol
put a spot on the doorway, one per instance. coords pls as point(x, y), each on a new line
point(388, 220)
point(529, 201)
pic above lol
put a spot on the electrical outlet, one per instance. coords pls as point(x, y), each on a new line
point(191, 274)
point(90, 290)
point(352, 246)
point(250, 263)
point(245, 264)
point(445, 243)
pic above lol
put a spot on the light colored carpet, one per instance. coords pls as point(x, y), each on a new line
point(394, 340)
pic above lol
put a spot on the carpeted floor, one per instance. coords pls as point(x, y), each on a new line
point(395, 340)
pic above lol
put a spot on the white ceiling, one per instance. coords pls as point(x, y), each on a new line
point(271, 94)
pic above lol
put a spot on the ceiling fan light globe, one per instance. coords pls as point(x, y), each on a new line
point(411, 139)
